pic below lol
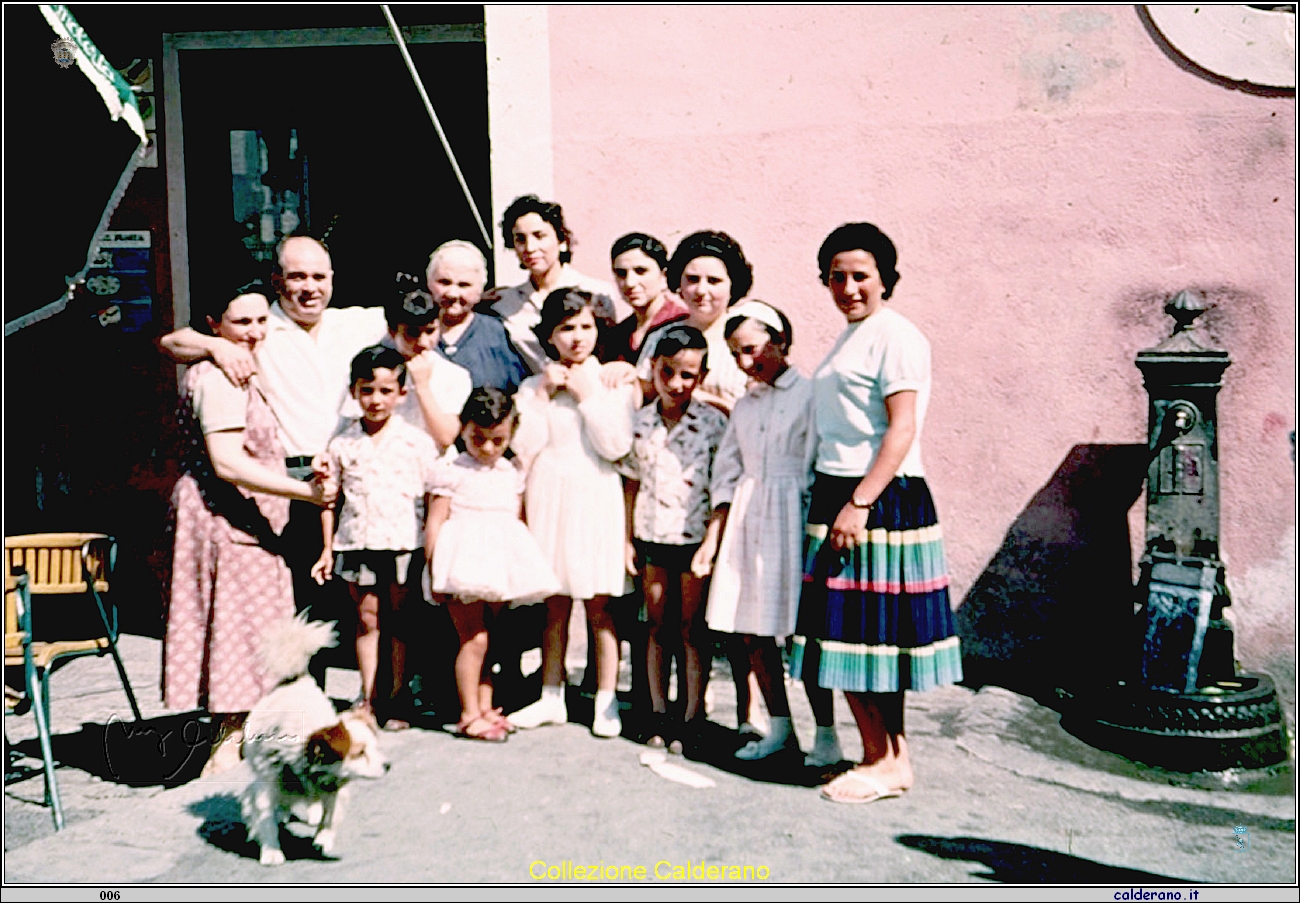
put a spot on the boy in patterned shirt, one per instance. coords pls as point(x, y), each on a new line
point(674, 442)
point(384, 467)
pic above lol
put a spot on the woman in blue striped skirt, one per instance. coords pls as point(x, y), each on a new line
point(874, 617)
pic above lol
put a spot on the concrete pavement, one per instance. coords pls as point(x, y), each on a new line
point(1003, 794)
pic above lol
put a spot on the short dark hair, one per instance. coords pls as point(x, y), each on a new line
point(861, 237)
point(784, 337)
point(639, 241)
point(378, 357)
point(487, 407)
point(713, 244)
point(549, 211)
point(214, 304)
point(414, 308)
point(562, 304)
point(680, 337)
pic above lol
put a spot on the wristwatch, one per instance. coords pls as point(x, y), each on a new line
point(861, 506)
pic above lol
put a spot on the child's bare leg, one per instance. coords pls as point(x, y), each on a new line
point(765, 665)
point(738, 658)
point(607, 651)
point(755, 693)
point(694, 641)
point(555, 640)
point(550, 709)
point(367, 602)
point(396, 644)
point(487, 681)
point(468, 620)
point(656, 603)
point(606, 721)
point(765, 668)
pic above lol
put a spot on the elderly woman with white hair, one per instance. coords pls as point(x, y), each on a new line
point(456, 275)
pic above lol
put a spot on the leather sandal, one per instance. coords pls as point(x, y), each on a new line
point(489, 731)
point(498, 716)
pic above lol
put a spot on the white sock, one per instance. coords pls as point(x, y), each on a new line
point(606, 702)
point(555, 694)
point(776, 739)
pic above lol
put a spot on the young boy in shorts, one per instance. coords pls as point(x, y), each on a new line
point(384, 467)
point(675, 440)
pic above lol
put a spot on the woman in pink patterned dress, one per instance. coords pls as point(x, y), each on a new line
point(228, 580)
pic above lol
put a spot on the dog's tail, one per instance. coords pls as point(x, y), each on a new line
point(288, 645)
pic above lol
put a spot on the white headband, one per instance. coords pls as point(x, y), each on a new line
point(757, 310)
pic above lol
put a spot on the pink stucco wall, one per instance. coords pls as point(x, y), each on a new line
point(1048, 174)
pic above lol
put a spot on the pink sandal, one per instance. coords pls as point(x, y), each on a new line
point(491, 732)
point(497, 716)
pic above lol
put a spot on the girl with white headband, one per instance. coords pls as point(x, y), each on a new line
point(760, 481)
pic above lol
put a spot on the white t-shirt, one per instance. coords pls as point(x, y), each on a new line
point(520, 309)
point(873, 358)
point(305, 376)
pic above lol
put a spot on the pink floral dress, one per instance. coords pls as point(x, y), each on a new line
point(227, 582)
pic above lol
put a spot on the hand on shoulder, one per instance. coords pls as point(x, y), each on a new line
point(236, 361)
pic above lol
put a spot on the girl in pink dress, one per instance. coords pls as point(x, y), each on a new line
point(228, 581)
point(481, 555)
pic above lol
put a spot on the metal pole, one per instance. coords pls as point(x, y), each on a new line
point(442, 136)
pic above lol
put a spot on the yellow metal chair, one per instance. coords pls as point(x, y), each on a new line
point(68, 564)
point(18, 648)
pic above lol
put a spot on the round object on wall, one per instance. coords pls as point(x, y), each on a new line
point(104, 285)
point(1241, 43)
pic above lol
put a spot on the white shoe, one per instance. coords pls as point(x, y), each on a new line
point(750, 729)
point(607, 723)
point(826, 749)
point(781, 736)
point(547, 710)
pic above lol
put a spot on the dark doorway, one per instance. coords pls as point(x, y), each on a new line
point(330, 139)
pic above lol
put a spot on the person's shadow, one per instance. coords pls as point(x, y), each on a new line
point(165, 751)
point(1013, 863)
point(1060, 586)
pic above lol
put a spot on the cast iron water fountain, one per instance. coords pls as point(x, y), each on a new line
point(1181, 704)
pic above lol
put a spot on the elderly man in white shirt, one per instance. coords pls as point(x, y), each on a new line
point(302, 367)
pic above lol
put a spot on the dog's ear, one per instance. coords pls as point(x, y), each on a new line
point(329, 745)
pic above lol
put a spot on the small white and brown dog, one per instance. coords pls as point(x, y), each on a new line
point(302, 752)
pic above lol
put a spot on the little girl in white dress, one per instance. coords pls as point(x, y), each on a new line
point(571, 430)
point(481, 555)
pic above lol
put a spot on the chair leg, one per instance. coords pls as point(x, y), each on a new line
point(126, 684)
point(110, 630)
point(40, 709)
point(43, 679)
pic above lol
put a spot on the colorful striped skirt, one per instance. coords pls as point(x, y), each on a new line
point(876, 618)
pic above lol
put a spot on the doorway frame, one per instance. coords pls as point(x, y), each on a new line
point(519, 110)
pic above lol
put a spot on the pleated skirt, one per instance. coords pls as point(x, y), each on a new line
point(876, 618)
